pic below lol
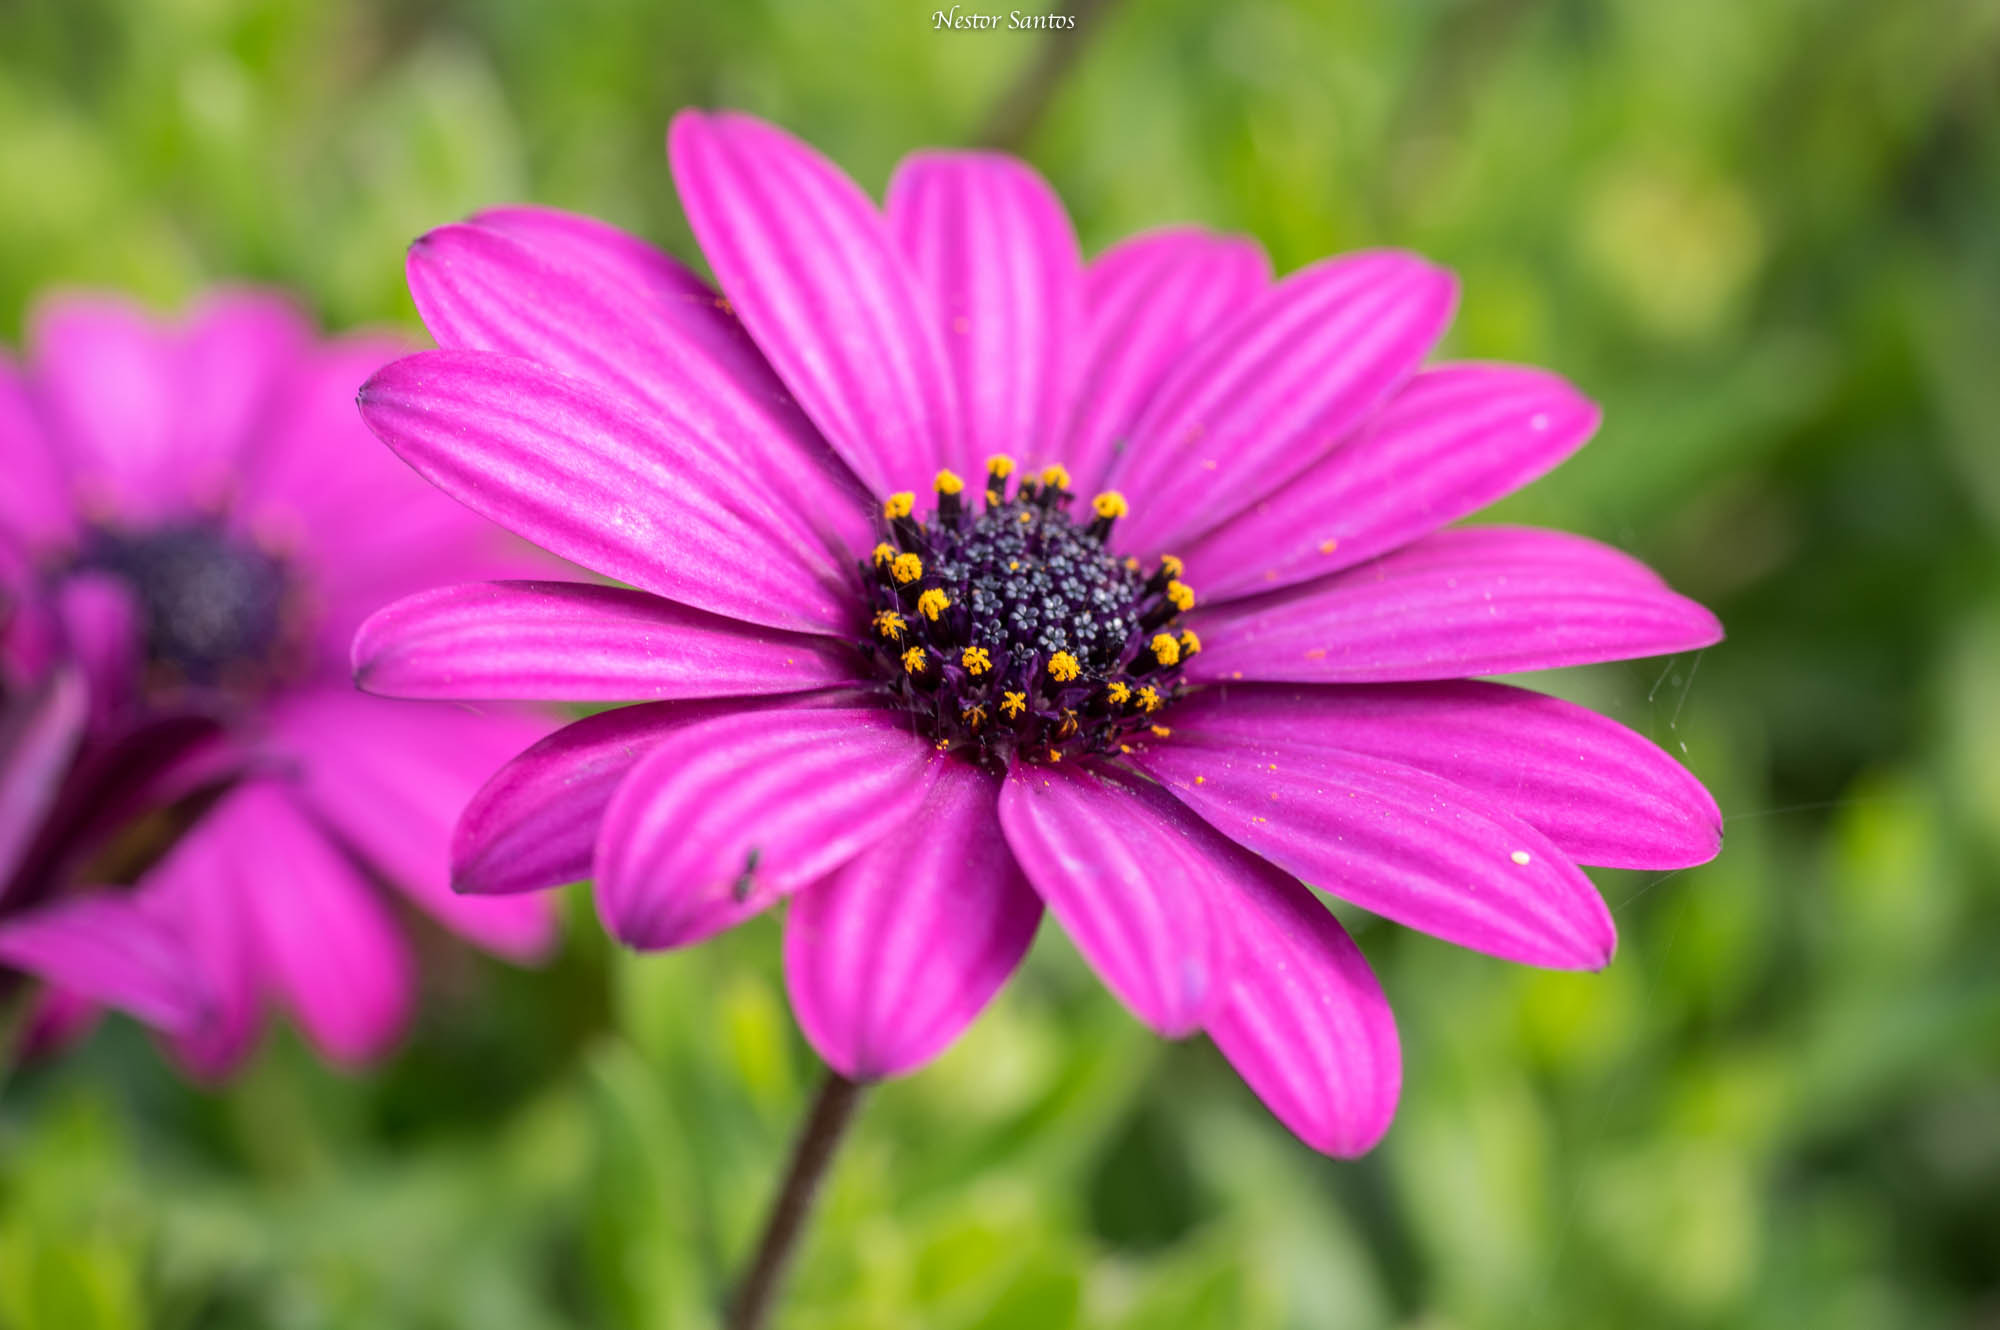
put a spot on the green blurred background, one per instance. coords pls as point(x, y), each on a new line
point(1763, 235)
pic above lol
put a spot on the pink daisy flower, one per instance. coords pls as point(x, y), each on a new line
point(1237, 666)
point(194, 525)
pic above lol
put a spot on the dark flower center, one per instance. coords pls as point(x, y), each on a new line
point(1012, 630)
point(212, 604)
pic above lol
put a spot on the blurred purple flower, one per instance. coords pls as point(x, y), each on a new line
point(193, 526)
point(927, 726)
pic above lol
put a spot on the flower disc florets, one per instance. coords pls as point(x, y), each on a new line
point(1011, 630)
point(212, 605)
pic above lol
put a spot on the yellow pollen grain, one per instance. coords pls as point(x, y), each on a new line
point(1013, 704)
point(975, 660)
point(890, 624)
point(1124, 748)
point(1521, 857)
point(1110, 504)
point(1328, 546)
point(1172, 565)
point(1132, 563)
point(1027, 518)
point(1201, 780)
point(1063, 667)
point(1013, 565)
point(1189, 642)
point(1149, 699)
point(913, 660)
point(933, 603)
point(1000, 465)
point(1165, 649)
point(993, 497)
point(1056, 477)
point(947, 482)
point(906, 568)
point(1160, 731)
point(1055, 754)
point(1119, 691)
point(899, 504)
point(883, 553)
point(1181, 594)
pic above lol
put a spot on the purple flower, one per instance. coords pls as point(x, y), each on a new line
point(193, 526)
point(926, 720)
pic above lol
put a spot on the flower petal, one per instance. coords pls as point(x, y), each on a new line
point(571, 641)
point(1134, 880)
point(724, 817)
point(992, 243)
point(106, 375)
point(1394, 840)
point(889, 959)
point(238, 347)
point(1271, 390)
point(1603, 794)
point(808, 265)
point(1455, 439)
point(1146, 300)
point(39, 733)
point(534, 823)
point(325, 943)
point(201, 886)
point(1305, 1023)
point(1474, 600)
point(669, 342)
point(107, 948)
point(388, 780)
point(36, 513)
point(592, 477)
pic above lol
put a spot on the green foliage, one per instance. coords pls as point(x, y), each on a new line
point(1760, 234)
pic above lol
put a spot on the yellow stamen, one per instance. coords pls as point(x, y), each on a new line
point(933, 603)
point(1013, 704)
point(1181, 594)
point(1171, 564)
point(1189, 642)
point(975, 660)
point(1063, 667)
point(1056, 477)
point(1027, 517)
point(1068, 726)
point(906, 568)
point(1119, 692)
point(1149, 699)
point(1110, 504)
point(1165, 649)
point(890, 624)
point(947, 482)
point(1055, 754)
point(883, 553)
point(973, 716)
point(914, 660)
point(898, 504)
point(1000, 465)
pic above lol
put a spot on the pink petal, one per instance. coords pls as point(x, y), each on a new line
point(534, 823)
point(389, 780)
point(1273, 388)
point(1305, 1023)
point(724, 817)
point(808, 265)
point(1603, 794)
point(238, 347)
point(106, 374)
point(1147, 299)
point(1474, 600)
point(103, 631)
point(570, 641)
point(892, 957)
point(1134, 880)
point(201, 886)
point(39, 734)
point(36, 512)
point(595, 478)
point(1394, 840)
point(994, 247)
point(1455, 439)
point(669, 342)
point(103, 946)
point(325, 944)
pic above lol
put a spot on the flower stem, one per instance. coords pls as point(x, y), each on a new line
point(825, 1126)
